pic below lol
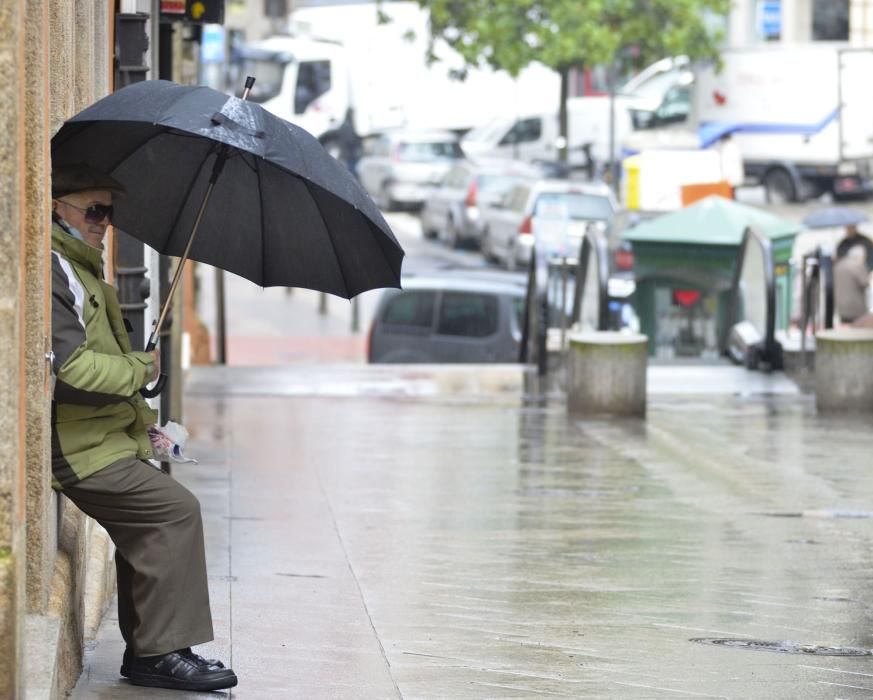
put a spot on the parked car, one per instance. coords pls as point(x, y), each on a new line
point(558, 209)
point(402, 166)
point(452, 211)
point(449, 318)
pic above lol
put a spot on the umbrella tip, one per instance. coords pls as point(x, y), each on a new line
point(250, 82)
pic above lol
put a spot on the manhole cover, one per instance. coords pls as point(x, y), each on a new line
point(784, 647)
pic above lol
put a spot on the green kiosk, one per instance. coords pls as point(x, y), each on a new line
point(685, 263)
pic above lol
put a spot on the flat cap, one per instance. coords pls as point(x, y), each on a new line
point(80, 177)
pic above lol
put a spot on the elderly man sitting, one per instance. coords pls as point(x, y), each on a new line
point(100, 444)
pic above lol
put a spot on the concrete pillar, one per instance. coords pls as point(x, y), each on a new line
point(606, 374)
point(844, 370)
point(41, 500)
point(12, 322)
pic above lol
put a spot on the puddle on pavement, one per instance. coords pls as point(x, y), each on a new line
point(783, 647)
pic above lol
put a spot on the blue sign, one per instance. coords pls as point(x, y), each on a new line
point(212, 44)
point(769, 18)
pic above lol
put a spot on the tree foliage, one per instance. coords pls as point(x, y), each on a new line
point(510, 34)
point(563, 34)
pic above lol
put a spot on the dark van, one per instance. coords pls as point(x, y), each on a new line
point(454, 319)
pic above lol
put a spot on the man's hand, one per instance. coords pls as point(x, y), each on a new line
point(156, 357)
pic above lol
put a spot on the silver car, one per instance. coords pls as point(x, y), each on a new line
point(402, 167)
point(449, 318)
point(559, 211)
point(452, 210)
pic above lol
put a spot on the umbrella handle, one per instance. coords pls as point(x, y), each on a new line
point(147, 392)
point(150, 393)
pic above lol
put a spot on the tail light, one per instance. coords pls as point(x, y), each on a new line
point(624, 259)
point(472, 191)
point(526, 225)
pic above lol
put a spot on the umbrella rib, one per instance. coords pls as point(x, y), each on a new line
point(339, 263)
point(257, 171)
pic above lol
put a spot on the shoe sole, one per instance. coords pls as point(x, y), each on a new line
point(153, 681)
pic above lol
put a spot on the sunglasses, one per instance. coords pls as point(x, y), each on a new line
point(95, 213)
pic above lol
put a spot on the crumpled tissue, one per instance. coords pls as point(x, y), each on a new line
point(169, 441)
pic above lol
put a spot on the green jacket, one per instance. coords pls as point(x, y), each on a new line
point(98, 416)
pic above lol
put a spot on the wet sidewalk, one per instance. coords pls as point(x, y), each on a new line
point(384, 532)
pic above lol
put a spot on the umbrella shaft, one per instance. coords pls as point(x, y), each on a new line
point(156, 331)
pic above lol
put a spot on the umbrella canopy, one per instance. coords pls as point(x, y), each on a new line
point(282, 212)
point(834, 216)
point(713, 220)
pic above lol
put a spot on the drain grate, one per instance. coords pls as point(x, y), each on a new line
point(784, 647)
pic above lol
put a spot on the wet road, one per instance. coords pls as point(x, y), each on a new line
point(368, 540)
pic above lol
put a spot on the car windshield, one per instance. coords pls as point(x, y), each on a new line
point(490, 130)
point(268, 77)
point(428, 150)
point(497, 184)
point(580, 206)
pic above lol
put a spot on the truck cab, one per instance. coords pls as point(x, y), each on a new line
point(303, 81)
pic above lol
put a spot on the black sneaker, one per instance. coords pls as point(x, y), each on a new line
point(211, 664)
point(178, 670)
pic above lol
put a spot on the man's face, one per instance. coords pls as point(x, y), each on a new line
point(73, 208)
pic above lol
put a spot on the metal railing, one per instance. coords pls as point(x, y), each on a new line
point(817, 301)
point(593, 259)
point(752, 331)
point(551, 281)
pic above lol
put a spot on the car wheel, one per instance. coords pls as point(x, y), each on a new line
point(511, 261)
point(384, 200)
point(453, 238)
point(779, 186)
point(485, 246)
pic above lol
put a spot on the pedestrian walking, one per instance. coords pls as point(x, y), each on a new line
point(854, 238)
point(851, 281)
point(99, 447)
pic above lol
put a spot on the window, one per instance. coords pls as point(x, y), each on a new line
point(424, 151)
point(457, 178)
point(469, 315)
point(580, 206)
point(517, 198)
point(410, 309)
point(830, 20)
point(523, 131)
point(313, 80)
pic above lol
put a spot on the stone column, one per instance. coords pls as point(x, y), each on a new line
point(607, 374)
point(61, 68)
point(12, 322)
point(844, 370)
point(41, 525)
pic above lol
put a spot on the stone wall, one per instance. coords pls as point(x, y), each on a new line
point(55, 573)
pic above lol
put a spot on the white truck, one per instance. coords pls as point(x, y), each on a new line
point(802, 117)
point(592, 122)
point(341, 58)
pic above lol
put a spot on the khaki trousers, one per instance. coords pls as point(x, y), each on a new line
point(154, 521)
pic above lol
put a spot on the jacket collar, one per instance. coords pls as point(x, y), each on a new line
point(77, 251)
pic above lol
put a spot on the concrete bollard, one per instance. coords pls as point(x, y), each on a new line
point(844, 370)
point(606, 373)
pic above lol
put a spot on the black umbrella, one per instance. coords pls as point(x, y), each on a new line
point(262, 196)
